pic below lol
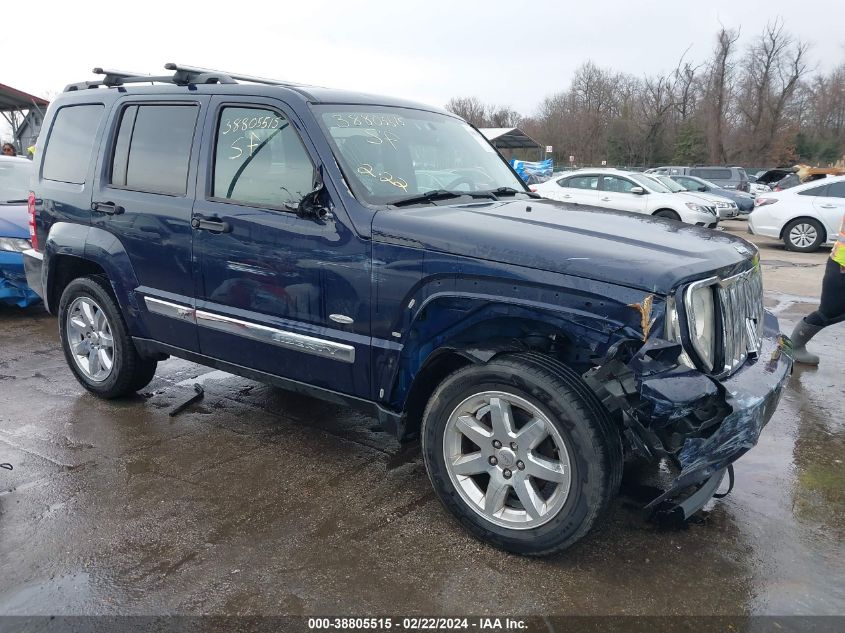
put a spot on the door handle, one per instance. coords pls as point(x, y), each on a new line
point(212, 224)
point(605, 199)
point(827, 206)
point(566, 195)
point(109, 208)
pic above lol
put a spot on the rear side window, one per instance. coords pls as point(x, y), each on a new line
point(71, 142)
point(815, 191)
point(836, 190)
point(152, 151)
point(259, 159)
point(712, 174)
point(580, 182)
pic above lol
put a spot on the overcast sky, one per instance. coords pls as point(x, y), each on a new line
point(508, 53)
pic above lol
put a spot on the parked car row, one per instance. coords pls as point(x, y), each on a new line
point(648, 194)
point(725, 177)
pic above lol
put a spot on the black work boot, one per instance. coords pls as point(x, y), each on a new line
point(801, 335)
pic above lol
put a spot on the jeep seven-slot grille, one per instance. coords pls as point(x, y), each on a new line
point(741, 305)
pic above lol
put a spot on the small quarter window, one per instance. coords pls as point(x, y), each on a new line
point(259, 159)
point(71, 143)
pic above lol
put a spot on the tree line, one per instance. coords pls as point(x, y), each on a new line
point(762, 104)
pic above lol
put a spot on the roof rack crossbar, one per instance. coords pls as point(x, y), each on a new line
point(196, 71)
point(182, 76)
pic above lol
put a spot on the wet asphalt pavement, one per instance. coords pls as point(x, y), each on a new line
point(256, 501)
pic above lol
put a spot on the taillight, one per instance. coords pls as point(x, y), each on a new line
point(30, 206)
point(532, 187)
point(762, 202)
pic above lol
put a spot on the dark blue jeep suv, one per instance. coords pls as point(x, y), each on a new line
point(382, 254)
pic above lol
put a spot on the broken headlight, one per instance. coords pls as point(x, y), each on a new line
point(14, 244)
point(699, 301)
point(673, 331)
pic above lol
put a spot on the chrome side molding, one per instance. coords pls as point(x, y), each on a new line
point(290, 340)
point(174, 310)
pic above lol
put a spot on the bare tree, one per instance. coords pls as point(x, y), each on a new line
point(770, 74)
point(471, 109)
point(719, 76)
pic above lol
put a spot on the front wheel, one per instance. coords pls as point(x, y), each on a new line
point(521, 452)
point(96, 342)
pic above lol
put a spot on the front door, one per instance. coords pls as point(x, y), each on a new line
point(278, 293)
point(143, 195)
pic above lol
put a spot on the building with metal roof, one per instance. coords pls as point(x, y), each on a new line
point(24, 113)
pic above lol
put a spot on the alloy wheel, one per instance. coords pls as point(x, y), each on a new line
point(803, 235)
point(89, 335)
point(507, 460)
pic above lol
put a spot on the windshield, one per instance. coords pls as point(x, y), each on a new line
point(389, 154)
point(670, 184)
point(653, 185)
point(14, 179)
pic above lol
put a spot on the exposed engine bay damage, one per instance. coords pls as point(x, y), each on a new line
point(698, 422)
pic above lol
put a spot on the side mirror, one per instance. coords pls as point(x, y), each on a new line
point(702, 188)
point(311, 205)
point(637, 190)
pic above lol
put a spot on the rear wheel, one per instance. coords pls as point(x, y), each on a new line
point(668, 214)
point(804, 235)
point(521, 452)
point(96, 342)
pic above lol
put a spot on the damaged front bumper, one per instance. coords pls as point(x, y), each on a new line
point(14, 290)
point(702, 424)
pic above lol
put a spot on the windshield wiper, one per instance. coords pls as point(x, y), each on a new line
point(441, 194)
point(21, 201)
point(510, 191)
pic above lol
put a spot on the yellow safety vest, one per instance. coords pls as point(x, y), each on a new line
point(838, 254)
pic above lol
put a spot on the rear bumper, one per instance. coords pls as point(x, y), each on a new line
point(14, 289)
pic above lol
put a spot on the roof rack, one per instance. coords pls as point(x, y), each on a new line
point(182, 76)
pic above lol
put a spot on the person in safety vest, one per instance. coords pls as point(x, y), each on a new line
point(831, 307)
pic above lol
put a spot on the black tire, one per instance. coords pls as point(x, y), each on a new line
point(591, 438)
point(129, 371)
point(668, 214)
point(798, 241)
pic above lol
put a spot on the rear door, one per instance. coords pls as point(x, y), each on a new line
point(830, 207)
point(582, 189)
point(144, 196)
point(615, 193)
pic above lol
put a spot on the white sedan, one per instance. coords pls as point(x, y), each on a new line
point(804, 217)
point(629, 191)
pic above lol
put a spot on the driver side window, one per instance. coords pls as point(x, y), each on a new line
point(259, 159)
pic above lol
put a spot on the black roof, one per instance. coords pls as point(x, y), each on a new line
point(204, 81)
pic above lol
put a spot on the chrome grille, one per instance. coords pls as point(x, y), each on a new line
point(741, 305)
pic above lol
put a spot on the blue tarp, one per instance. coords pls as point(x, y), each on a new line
point(542, 169)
